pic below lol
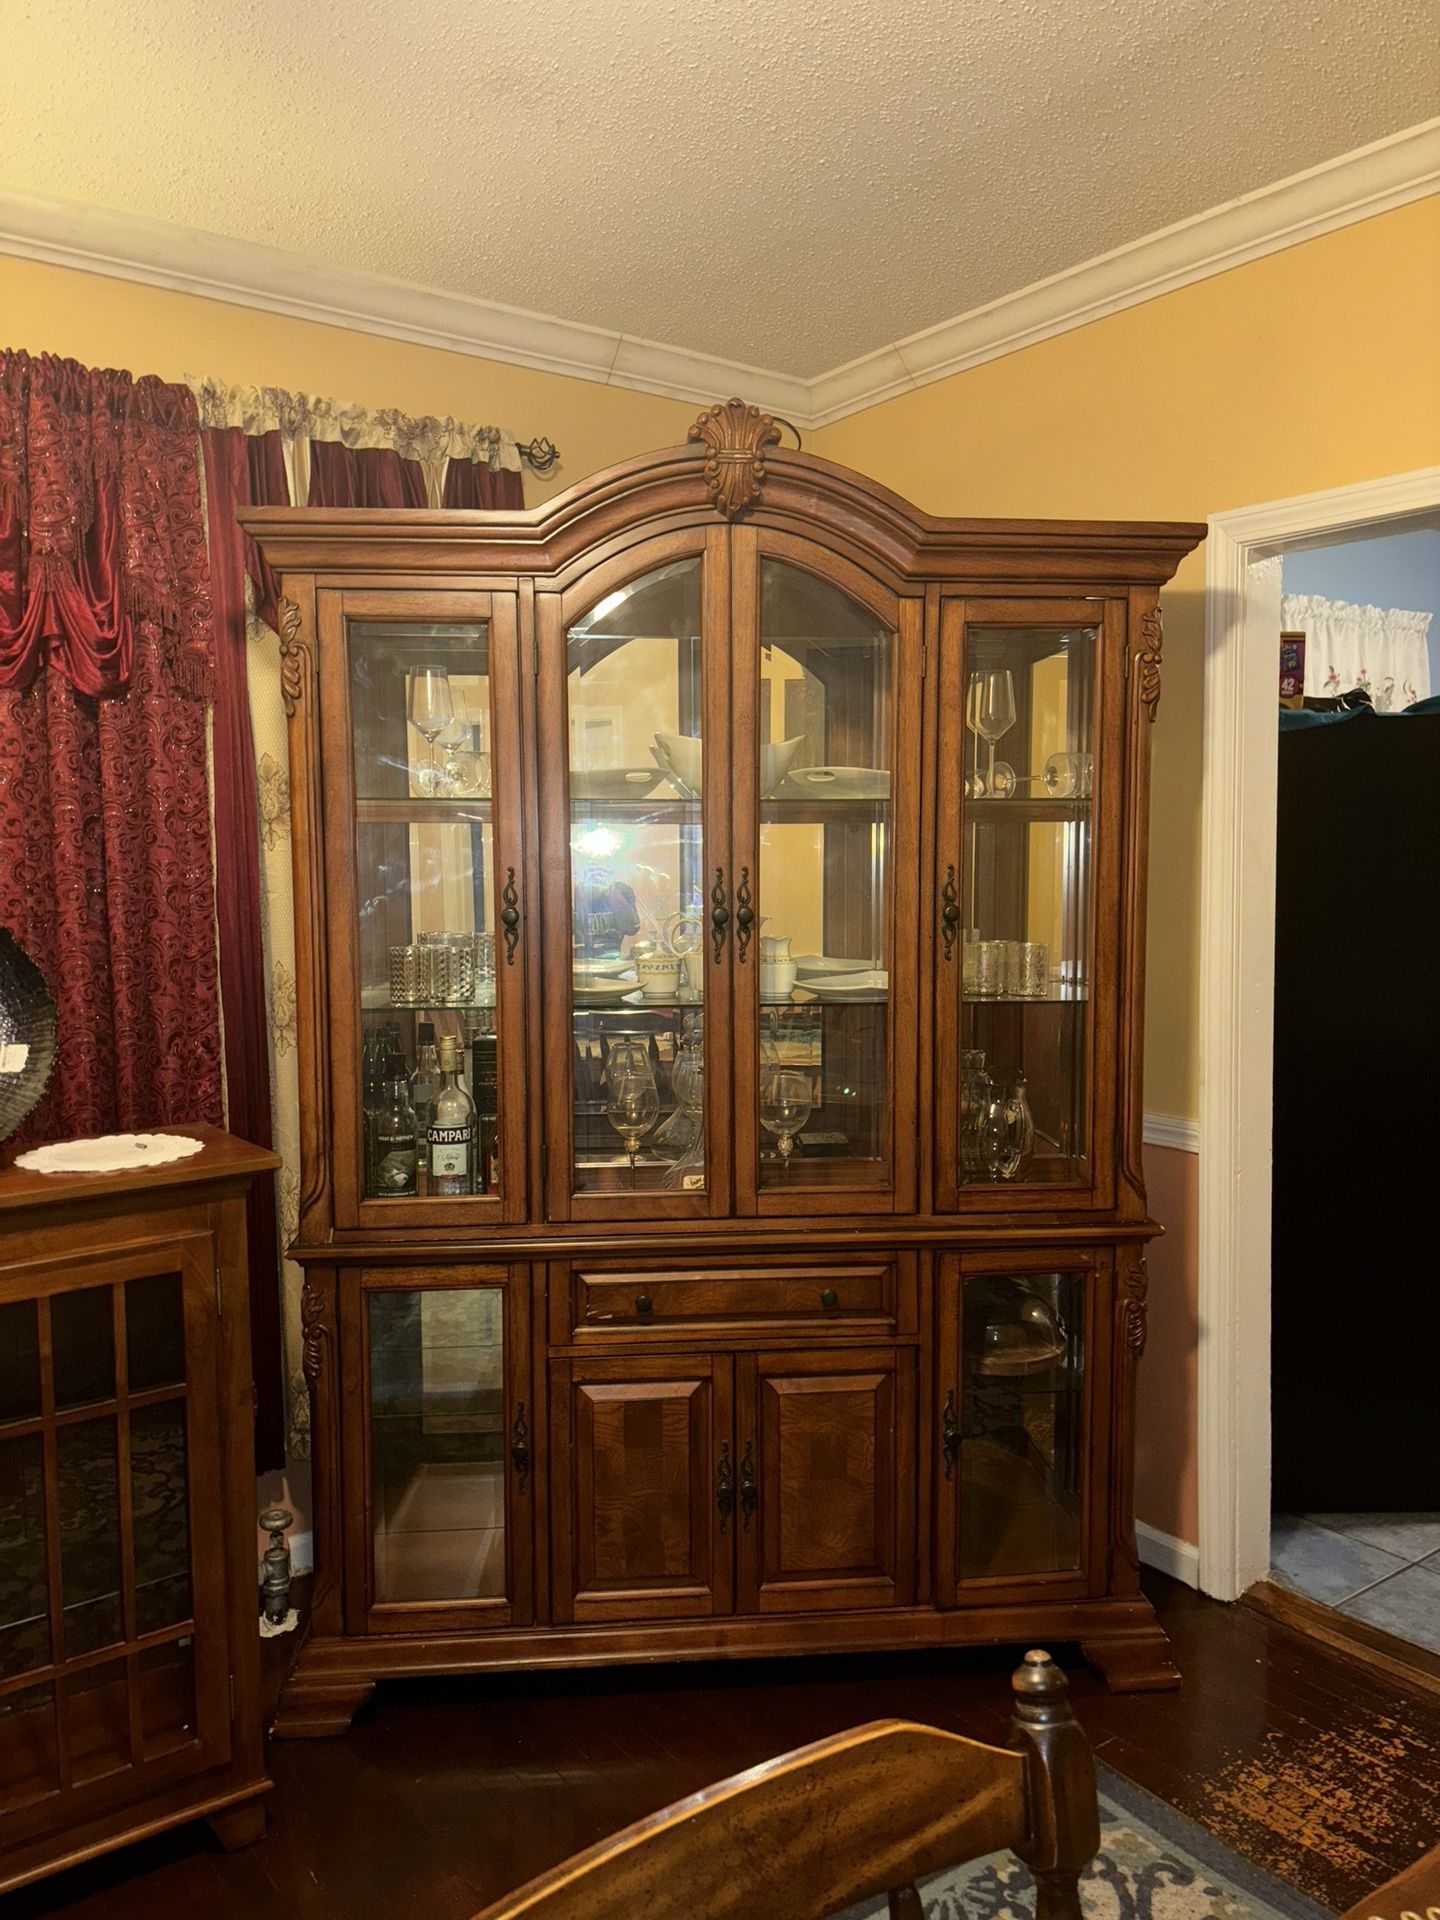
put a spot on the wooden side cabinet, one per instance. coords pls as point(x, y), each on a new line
point(129, 1645)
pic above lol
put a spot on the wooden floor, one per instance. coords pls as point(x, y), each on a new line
point(447, 1794)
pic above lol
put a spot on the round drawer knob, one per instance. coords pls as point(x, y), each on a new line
point(643, 1303)
point(829, 1298)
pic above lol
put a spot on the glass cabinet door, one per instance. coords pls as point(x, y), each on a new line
point(433, 1109)
point(448, 1441)
point(817, 970)
point(641, 992)
point(1022, 753)
point(113, 1648)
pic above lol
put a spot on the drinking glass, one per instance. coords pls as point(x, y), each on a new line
point(431, 712)
point(994, 715)
point(785, 1106)
point(632, 1106)
point(457, 737)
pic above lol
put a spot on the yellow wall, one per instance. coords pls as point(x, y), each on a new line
point(111, 323)
point(1316, 367)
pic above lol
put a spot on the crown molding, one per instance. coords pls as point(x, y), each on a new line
point(1356, 186)
point(1372, 180)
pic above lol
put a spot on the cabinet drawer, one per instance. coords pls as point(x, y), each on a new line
point(846, 1294)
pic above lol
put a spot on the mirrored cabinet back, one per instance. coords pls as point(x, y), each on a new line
point(721, 897)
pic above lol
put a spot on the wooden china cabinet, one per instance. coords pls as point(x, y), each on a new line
point(774, 854)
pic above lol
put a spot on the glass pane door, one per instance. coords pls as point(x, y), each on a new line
point(112, 1649)
point(1025, 906)
point(639, 906)
point(437, 1444)
point(823, 943)
point(1022, 1448)
point(430, 897)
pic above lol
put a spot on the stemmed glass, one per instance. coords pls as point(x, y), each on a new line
point(431, 711)
point(785, 1106)
point(993, 701)
point(632, 1106)
point(458, 772)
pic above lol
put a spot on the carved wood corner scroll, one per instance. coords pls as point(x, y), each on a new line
point(1153, 637)
point(314, 1333)
point(1137, 1285)
point(294, 657)
point(736, 436)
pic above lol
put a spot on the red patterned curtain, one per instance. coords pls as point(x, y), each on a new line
point(105, 670)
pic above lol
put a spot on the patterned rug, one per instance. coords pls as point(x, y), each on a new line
point(1153, 1864)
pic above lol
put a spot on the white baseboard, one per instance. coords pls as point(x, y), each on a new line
point(1170, 1130)
point(302, 1553)
point(1167, 1554)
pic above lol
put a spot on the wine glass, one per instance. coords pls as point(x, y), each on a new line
point(431, 712)
point(457, 738)
point(994, 698)
point(632, 1106)
point(785, 1106)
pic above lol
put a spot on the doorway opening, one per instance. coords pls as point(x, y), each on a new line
point(1355, 1319)
point(1237, 1001)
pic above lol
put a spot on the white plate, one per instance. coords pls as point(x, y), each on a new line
point(613, 783)
point(815, 965)
point(837, 783)
point(611, 969)
point(589, 992)
point(850, 986)
point(111, 1153)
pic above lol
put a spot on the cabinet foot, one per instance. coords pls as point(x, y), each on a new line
point(239, 1826)
point(1133, 1662)
point(310, 1710)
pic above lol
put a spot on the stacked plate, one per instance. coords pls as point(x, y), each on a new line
point(833, 977)
point(836, 783)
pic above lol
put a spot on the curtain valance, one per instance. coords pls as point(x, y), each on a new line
point(1382, 649)
point(100, 525)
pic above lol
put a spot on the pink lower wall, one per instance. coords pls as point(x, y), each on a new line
point(1166, 1487)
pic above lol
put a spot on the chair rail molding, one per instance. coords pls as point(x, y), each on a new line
point(1237, 997)
point(1373, 179)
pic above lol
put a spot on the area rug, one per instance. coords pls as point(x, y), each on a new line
point(1153, 1864)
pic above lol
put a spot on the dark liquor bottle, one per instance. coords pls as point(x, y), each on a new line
point(397, 1145)
point(484, 1079)
point(372, 1098)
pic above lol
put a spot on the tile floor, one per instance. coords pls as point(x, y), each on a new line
point(1383, 1568)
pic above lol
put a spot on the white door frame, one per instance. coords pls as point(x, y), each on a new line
point(1237, 1001)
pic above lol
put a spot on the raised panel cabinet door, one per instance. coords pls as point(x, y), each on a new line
point(113, 1640)
point(825, 1479)
point(644, 1502)
point(429, 933)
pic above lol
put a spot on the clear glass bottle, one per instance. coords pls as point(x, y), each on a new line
point(425, 1081)
point(372, 1098)
point(451, 1140)
point(397, 1139)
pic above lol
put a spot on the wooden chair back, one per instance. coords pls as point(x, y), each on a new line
point(863, 1813)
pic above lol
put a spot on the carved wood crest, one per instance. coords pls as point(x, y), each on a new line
point(1137, 1285)
point(736, 435)
point(1153, 638)
point(294, 657)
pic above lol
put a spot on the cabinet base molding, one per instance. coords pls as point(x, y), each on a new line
point(237, 1819)
point(334, 1676)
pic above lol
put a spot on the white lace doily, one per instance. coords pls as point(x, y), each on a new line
point(111, 1153)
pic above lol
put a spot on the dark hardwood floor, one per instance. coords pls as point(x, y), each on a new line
point(448, 1793)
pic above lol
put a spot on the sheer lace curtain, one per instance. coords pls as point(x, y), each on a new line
point(265, 446)
point(1383, 650)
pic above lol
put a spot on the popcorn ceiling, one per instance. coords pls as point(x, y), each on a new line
point(789, 183)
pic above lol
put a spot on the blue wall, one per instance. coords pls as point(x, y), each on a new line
point(1390, 570)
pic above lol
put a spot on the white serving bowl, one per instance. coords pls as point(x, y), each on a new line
point(682, 758)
